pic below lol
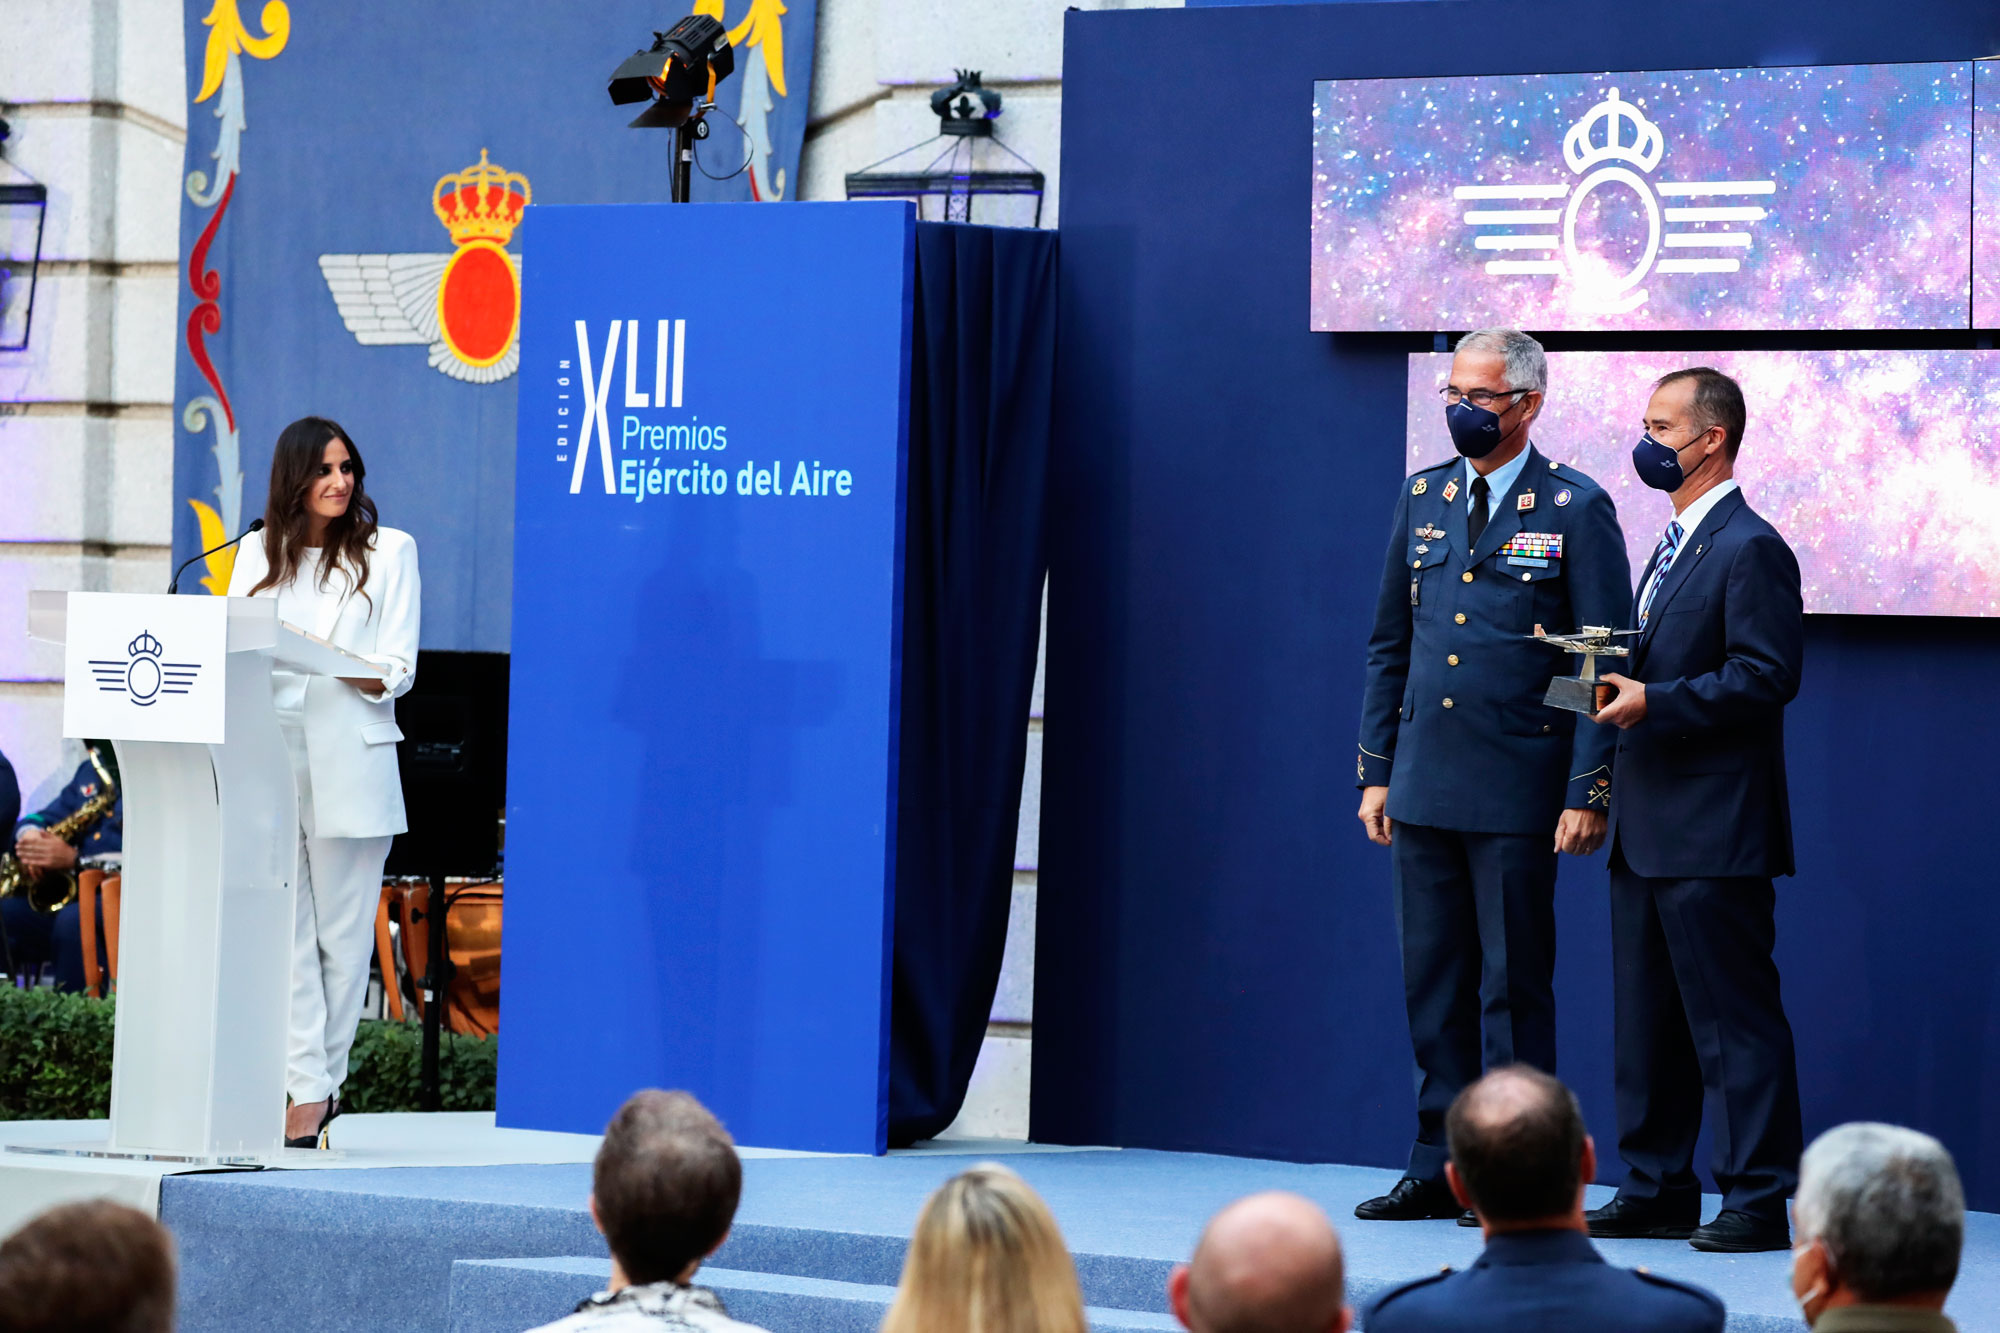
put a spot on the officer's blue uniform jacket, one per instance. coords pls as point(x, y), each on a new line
point(105, 836)
point(1544, 1282)
point(1453, 702)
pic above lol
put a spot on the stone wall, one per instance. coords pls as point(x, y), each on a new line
point(94, 91)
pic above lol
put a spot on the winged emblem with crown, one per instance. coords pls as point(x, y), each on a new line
point(466, 304)
point(1613, 146)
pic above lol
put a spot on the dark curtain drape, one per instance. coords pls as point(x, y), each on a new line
point(982, 369)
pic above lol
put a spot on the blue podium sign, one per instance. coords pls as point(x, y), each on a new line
point(706, 639)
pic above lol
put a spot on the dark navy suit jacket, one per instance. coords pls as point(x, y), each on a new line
point(1453, 703)
point(1701, 782)
point(1544, 1282)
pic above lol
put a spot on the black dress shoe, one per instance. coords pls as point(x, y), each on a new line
point(1629, 1219)
point(1735, 1232)
point(1468, 1218)
point(1410, 1201)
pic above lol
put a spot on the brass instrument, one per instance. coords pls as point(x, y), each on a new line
point(53, 890)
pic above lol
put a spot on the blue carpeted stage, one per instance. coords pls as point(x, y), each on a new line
point(818, 1243)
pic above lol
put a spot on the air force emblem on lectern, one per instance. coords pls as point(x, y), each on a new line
point(1543, 218)
point(466, 304)
point(141, 675)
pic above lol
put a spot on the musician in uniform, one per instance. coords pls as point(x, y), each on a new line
point(36, 937)
point(1471, 781)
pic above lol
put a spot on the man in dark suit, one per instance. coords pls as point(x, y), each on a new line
point(1520, 1159)
point(1489, 783)
point(1699, 825)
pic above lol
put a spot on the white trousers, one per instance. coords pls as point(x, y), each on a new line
point(333, 940)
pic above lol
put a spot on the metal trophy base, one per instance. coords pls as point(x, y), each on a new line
point(102, 1149)
point(1579, 694)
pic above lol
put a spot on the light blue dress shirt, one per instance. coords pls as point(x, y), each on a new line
point(1501, 479)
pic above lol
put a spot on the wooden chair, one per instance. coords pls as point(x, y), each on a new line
point(91, 886)
point(385, 954)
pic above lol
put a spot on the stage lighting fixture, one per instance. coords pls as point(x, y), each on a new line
point(678, 73)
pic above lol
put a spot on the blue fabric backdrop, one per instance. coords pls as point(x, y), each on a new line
point(982, 369)
point(318, 131)
point(1216, 966)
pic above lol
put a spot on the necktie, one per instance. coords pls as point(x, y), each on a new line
point(1475, 518)
point(1663, 560)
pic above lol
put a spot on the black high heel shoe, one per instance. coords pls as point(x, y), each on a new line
point(317, 1139)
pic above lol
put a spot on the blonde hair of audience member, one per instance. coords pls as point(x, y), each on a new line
point(1271, 1263)
point(96, 1266)
point(986, 1257)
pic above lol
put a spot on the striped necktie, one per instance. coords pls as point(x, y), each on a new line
point(1663, 560)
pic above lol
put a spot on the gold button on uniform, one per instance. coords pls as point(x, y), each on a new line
point(1466, 576)
point(1447, 703)
point(1460, 617)
point(1416, 564)
point(1453, 659)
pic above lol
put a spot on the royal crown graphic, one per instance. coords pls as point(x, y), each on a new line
point(1613, 146)
point(466, 304)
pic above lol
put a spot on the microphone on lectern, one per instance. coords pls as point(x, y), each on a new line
point(256, 525)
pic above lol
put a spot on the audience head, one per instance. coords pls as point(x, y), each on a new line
point(665, 1186)
point(1519, 1154)
point(95, 1267)
point(986, 1257)
point(1270, 1263)
point(1880, 1219)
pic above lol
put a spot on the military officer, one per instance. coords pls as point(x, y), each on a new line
point(1471, 781)
point(32, 938)
point(1520, 1158)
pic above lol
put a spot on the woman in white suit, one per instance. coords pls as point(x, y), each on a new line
point(335, 574)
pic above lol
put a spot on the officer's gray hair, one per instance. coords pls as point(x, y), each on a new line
point(1527, 364)
point(1887, 1203)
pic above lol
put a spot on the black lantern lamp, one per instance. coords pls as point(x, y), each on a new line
point(24, 205)
point(966, 112)
point(678, 74)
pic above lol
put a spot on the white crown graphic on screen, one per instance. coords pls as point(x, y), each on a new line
point(465, 304)
point(1613, 145)
point(141, 676)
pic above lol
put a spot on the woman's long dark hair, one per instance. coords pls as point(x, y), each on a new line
point(294, 468)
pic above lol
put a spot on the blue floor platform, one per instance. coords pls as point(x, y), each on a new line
point(818, 1242)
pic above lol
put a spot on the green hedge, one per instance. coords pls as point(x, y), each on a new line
point(55, 1061)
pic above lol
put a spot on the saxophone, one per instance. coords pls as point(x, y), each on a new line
point(53, 890)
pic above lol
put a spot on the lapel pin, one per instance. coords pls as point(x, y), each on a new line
point(1423, 484)
point(1450, 491)
point(1525, 503)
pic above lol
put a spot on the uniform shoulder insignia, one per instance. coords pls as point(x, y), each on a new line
point(1406, 1288)
point(1423, 484)
point(1569, 474)
point(1702, 1294)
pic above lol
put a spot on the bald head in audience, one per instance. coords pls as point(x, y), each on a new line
point(1266, 1264)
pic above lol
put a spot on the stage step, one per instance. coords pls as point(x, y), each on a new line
point(508, 1295)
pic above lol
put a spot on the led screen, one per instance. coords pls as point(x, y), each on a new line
point(1882, 468)
point(1806, 198)
point(1986, 195)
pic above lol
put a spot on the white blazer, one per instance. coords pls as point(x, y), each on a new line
point(350, 738)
